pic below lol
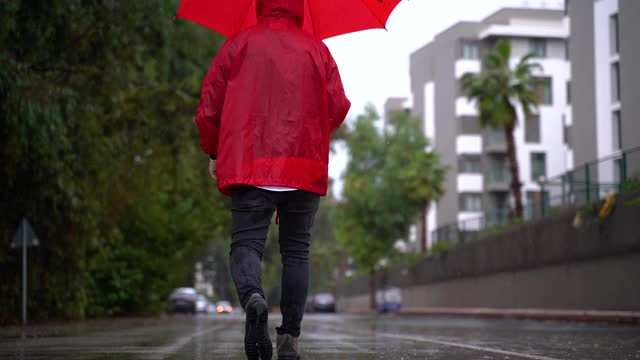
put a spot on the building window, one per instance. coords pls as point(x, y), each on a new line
point(568, 92)
point(615, 81)
point(567, 49)
point(538, 47)
point(538, 166)
point(470, 50)
point(567, 135)
point(614, 34)
point(544, 91)
point(470, 125)
point(495, 137)
point(499, 166)
point(532, 129)
point(470, 165)
point(471, 202)
point(617, 130)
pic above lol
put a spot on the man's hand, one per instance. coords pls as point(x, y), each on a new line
point(212, 169)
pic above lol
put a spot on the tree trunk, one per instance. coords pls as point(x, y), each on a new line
point(516, 186)
point(424, 228)
point(372, 291)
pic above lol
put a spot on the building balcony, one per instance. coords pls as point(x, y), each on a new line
point(470, 182)
point(465, 107)
point(495, 142)
point(497, 217)
point(498, 181)
point(469, 144)
point(464, 66)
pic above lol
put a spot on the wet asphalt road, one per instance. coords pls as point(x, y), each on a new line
point(327, 337)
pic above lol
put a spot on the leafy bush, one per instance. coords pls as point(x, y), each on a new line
point(439, 247)
point(99, 151)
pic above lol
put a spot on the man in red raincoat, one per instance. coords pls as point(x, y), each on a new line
point(269, 104)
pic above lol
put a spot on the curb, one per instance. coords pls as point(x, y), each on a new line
point(619, 317)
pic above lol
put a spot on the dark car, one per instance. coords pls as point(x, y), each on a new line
point(183, 300)
point(224, 307)
point(323, 302)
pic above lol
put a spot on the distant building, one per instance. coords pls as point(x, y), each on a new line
point(394, 105)
point(604, 50)
point(478, 179)
point(201, 283)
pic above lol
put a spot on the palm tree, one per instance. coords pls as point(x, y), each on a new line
point(498, 91)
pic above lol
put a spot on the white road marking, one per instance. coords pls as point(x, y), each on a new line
point(164, 352)
point(465, 346)
point(446, 343)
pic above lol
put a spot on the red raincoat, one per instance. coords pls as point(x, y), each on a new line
point(269, 103)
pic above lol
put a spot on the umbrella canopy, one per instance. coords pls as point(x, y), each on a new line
point(322, 18)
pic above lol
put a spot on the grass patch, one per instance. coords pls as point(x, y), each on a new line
point(439, 247)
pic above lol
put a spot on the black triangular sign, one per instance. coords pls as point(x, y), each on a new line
point(24, 234)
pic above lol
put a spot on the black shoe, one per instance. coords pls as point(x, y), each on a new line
point(287, 346)
point(257, 343)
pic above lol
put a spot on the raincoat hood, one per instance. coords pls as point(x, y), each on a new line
point(292, 9)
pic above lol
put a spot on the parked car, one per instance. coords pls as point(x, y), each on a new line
point(224, 307)
point(389, 300)
point(323, 302)
point(183, 300)
point(201, 304)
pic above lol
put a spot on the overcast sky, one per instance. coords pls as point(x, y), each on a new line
point(374, 64)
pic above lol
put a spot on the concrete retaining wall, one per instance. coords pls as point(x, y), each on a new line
point(548, 264)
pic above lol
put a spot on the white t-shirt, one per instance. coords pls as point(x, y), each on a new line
point(277, 188)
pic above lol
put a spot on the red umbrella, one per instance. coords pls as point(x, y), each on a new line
point(323, 18)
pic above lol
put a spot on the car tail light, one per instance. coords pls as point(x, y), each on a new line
point(219, 309)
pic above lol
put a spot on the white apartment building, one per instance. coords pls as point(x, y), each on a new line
point(478, 178)
point(604, 50)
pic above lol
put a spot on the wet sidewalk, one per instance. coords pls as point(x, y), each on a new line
point(333, 337)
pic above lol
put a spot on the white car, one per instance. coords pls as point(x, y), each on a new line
point(201, 304)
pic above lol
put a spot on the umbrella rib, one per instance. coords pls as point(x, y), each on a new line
point(244, 18)
point(313, 23)
point(384, 24)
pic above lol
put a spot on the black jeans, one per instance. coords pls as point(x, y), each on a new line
point(252, 210)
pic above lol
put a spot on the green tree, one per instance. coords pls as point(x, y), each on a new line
point(99, 150)
point(498, 91)
point(388, 179)
point(325, 251)
point(324, 255)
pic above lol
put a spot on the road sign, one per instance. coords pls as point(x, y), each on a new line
point(24, 238)
point(24, 235)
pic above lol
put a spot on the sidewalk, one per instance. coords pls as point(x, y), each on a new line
point(621, 317)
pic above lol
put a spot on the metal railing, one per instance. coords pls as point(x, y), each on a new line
point(496, 137)
point(499, 176)
point(583, 185)
point(590, 182)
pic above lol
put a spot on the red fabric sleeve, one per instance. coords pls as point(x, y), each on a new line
point(339, 105)
point(214, 89)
